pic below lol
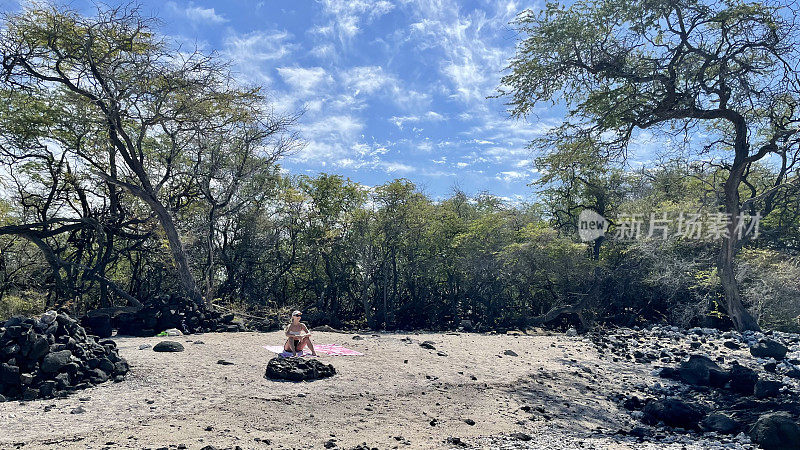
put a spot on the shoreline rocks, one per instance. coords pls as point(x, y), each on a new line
point(672, 412)
point(776, 431)
point(768, 348)
point(737, 379)
point(53, 356)
point(158, 314)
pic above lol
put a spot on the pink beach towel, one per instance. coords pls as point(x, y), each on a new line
point(327, 349)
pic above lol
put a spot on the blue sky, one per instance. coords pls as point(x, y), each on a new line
point(391, 88)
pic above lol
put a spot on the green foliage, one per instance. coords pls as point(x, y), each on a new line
point(389, 256)
point(25, 304)
point(771, 281)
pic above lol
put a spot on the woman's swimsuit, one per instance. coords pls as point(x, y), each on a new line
point(297, 340)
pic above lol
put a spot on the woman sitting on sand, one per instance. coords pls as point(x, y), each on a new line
point(298, 336)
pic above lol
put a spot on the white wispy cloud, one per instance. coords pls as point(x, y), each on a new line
point(197, 14)
point(323, 51)
point(367, 79)
point(255, 53)
point(511, 175)
point(430, 116)
point(395, 167)
point(304, 79)
point(466, 41)
point(348, 16)
point(343, 126)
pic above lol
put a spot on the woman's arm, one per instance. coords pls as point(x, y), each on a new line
point(305, 330)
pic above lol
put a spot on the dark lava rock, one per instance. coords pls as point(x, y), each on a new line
point(9, 374)
point(298, 369)
point(721, 423)
point(47, 388)
point(632, 403)
point(701, 371)
point(521, 436)
point(768, 348)
point(669, 372)
point(776, 431)
point(222, 362)
point(168, 346)
point(770, 367)
point(56, 361)
point(733, 345)
point(363, 446)
point(767, 388)
point(39, 348)
point(163, 312)
point(456, 441)
point(743, 380)
point(98, 324)
point(52, 356)
point(428, 344)
point(672, 412)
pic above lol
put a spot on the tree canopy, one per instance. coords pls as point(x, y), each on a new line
point(106, 101)
point(132, 167)
point(720, 74)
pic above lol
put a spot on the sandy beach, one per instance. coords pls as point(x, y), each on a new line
point(387, 398)
point(468, 392)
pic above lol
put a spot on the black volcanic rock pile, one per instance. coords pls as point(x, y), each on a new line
point(264, 325)
point(158, 314)
point(53, 356)
point(297, 369)
point(745, 385)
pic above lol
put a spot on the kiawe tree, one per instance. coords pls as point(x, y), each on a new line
point(722, 73)
point(577, 175)
point(146, 108)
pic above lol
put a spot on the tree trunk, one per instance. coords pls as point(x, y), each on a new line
point(209, 272)
point(65, 289)
point(596, 248)
point(742, 319)
point(147, 194)
point(385, 295)
point(178, 251)
point(365, 301)
point(101, 269)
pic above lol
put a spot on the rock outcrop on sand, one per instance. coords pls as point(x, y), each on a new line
point(726, 382)
point(776, 431)
point(53, 356)
point(298, 369)
point(158, 314)
point(168, 347)
point(673, 412)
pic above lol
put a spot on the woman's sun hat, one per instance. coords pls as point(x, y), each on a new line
point(297, 313)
